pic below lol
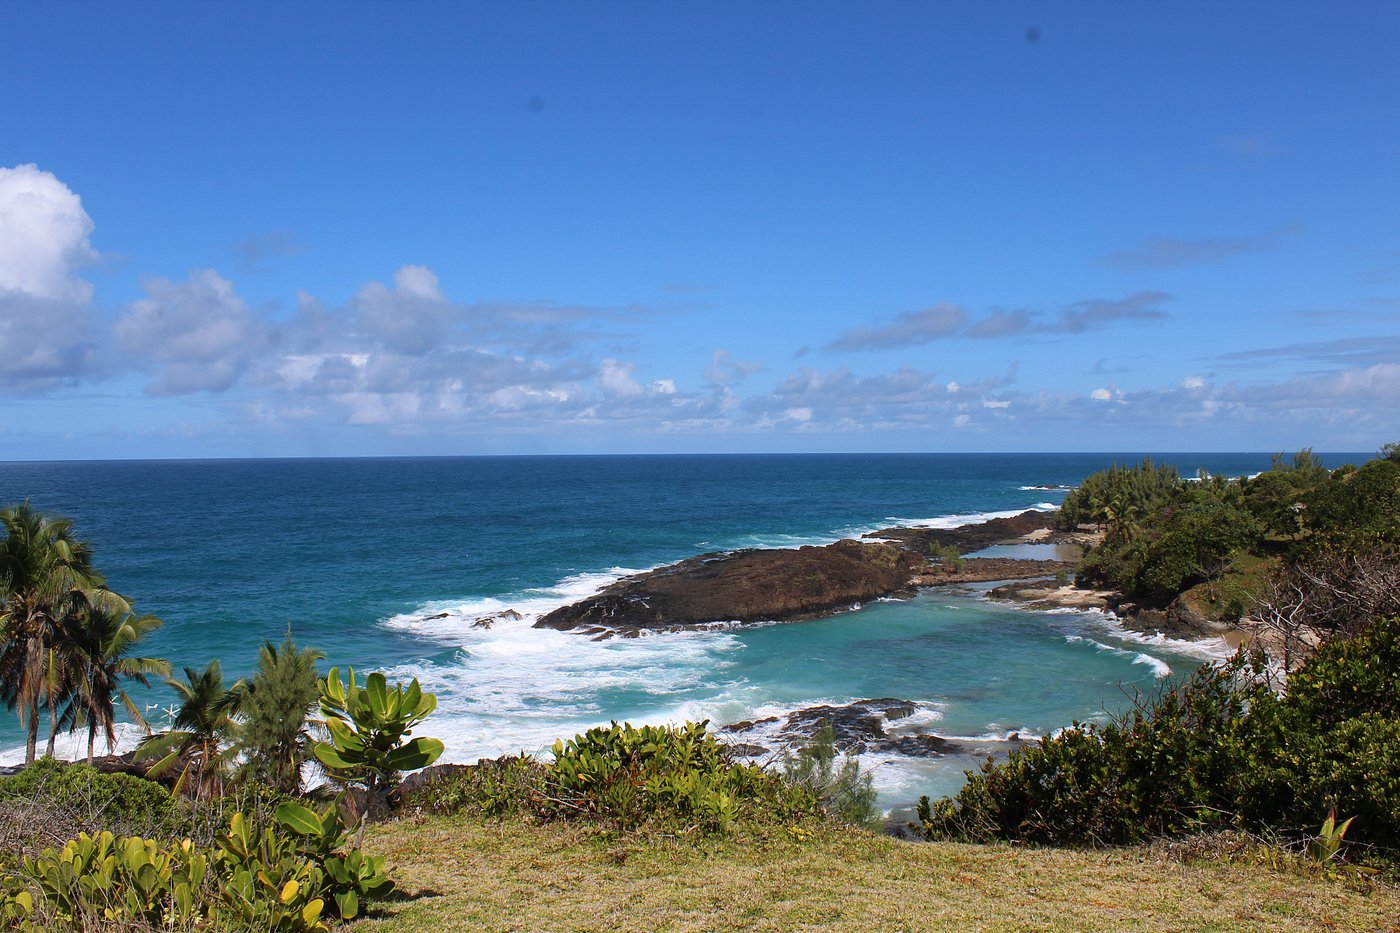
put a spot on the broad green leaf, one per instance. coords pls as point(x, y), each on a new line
point(348, 904)
point(299, 819)
point(419, 753)
point(377, 695)
point(327, 755)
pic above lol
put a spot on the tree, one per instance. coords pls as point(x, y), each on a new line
point(103, 640)
point(198, 735)
point(1390, 452)
point(46, 578)
point(272, 731)
point(367, 727)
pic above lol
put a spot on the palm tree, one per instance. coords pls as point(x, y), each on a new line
point(46, 576)
point(103, 641)
point(198, 733)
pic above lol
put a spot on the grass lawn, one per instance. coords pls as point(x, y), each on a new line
point(465, 873)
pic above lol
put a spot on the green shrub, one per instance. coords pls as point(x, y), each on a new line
point(88, 800)
point(369, 727)
point(946, 555)
point(498, 787)
point(1221, 751)
point(670, 775)
point(292, 874)
point(845, 791)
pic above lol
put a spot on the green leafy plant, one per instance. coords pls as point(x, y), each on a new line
point(368, 727)
point(293, 874)
point(664, 775)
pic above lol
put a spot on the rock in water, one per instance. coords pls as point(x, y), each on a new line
point(746, 586)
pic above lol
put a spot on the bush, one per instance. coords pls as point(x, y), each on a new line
point(51, 799)
point(667, 775)
point(1221, 751)
point(664, 778)
point(290, 874)
point(846, 792)
point(491, 787)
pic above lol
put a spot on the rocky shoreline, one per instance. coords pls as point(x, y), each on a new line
point(887, 726)
point(787, 585)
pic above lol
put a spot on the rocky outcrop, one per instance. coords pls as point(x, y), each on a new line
point(968, 538)
point(858, 728)
point(1050, 594)
point(744, 586)
point(1180, 619)
point(987, 569)
point(864, 727)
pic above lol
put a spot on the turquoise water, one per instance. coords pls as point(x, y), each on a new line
point(354, 555)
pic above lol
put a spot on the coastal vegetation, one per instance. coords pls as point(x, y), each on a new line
point(1165, 536)
point(1223, 751)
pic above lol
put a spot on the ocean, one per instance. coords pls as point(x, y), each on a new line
point(386, 563)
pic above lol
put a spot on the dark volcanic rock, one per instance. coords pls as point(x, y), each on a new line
point(748, 750)
point(745, 586)
point(858, 727)
point(968, 538)
point(987, 569)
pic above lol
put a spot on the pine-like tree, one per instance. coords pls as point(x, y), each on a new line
point(272, 732)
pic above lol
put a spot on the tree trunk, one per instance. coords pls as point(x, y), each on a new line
point(31, 742)
point(370, 790)
point(92, 738)
point(53, 725)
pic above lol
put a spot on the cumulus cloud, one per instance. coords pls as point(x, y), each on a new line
point(195, 336)
point(1173, 252)
point(43, 236)
point(47, 336)
point(615, 378)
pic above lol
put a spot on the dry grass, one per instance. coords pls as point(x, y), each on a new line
point(463, 873)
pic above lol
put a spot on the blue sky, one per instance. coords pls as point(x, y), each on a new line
point(454, 228)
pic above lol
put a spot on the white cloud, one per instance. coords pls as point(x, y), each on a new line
point(418, 281)
point(43, 236)
point(195, 336)
point(615, 378)
point(1101, 394)
point(1193, 382)
point(47, 335)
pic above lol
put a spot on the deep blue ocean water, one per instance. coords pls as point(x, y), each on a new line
point(355, 554)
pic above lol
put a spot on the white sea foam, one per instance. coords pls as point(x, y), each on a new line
point(513, 687)
point(972, 518)
point(1159, 667)
point(453, 621)
point(1213, 648)
point(72, 746)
